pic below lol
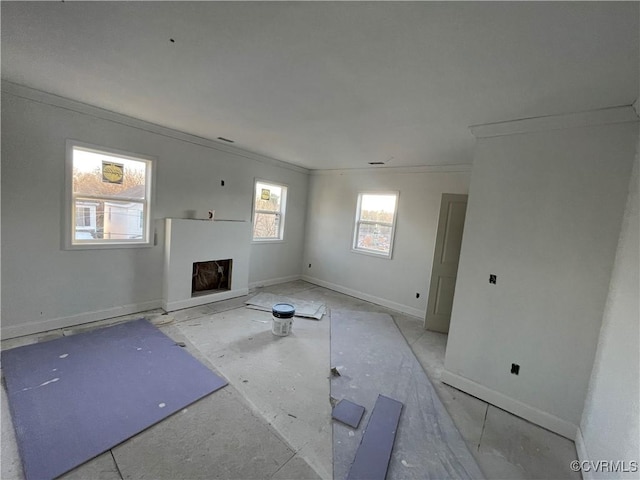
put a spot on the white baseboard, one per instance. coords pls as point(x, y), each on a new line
point(414, 312)
point(201, 300)
point(543, 419)
point(583, 456)
point(275, 281)
point(29, 328)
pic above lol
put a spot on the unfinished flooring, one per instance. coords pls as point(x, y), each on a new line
point(273, 420)
point(374, 359)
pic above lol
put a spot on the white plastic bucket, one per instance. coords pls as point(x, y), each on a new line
point(281, 326)
point(282, 316)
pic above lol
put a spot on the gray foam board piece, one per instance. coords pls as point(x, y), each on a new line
point(348, 413)
point(76, 397)
point(374, 358)
point(374, 452)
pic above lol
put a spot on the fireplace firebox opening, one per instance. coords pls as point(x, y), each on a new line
point(212, 276)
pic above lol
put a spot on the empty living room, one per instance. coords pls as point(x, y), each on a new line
point(319, 240)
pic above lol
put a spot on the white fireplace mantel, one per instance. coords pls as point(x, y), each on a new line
point(188, 241)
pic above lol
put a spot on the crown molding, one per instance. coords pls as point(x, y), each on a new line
point(47, 98)
point(462, 168)
point(603, 116)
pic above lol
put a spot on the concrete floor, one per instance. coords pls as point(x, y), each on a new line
point(274, 418)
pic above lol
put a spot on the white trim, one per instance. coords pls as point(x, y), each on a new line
point(266, 241)
point(40, 96)
point(202, 299)
point(604, 116)
point(274, 281)
point(370, 253)
point(29, 328)
point(359, 221)
point(148, 203)
point(398, 307)
point(583, 456)
point(462, 168)
point(284, 188)
point(532, 414)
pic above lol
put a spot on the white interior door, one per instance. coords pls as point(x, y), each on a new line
point(445, 262)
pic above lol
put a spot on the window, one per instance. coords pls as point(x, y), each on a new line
point(109, 194)
point(375, 223)
point(83, 216)
point(269, 210)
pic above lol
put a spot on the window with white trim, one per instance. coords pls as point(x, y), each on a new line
point(270, 203)
point(375, 223)
point(83, 216)
point(110, 196)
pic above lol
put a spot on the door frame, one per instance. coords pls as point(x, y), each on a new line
point(445, 201)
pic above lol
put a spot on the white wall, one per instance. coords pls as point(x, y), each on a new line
point(330, 222)
point(544, 215)
point(610, 426)
point(281, 261)
point(46, 287)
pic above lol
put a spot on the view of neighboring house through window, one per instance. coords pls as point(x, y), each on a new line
point(269, 211)
point(375, 223)
point(110, 195)
point(85, 216)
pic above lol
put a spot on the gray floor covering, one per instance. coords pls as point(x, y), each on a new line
point(285, 379)
point(374, 358)
point(231, 339)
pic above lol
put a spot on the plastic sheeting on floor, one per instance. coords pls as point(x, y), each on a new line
point(373, 358)
point(264, 301)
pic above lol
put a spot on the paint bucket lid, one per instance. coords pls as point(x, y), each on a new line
point(283, 310)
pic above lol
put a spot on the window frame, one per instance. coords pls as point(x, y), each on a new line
point(359, 221)
point(69, 241)
point(282, 212)
point(86, 212)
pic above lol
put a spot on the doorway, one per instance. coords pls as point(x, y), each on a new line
point(446, 256)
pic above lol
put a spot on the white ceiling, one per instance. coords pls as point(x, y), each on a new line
point(329, 84)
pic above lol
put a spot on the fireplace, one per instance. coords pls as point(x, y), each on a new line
point(212, 276)
point(204, 261)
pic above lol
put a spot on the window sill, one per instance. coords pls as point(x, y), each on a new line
point(107, 246)
point(266, 242)
point(368, 253)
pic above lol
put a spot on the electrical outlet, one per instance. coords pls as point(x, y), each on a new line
point(515, 368)
point(493, 279)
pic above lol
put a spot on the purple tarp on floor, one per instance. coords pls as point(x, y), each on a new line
point(76, 397)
